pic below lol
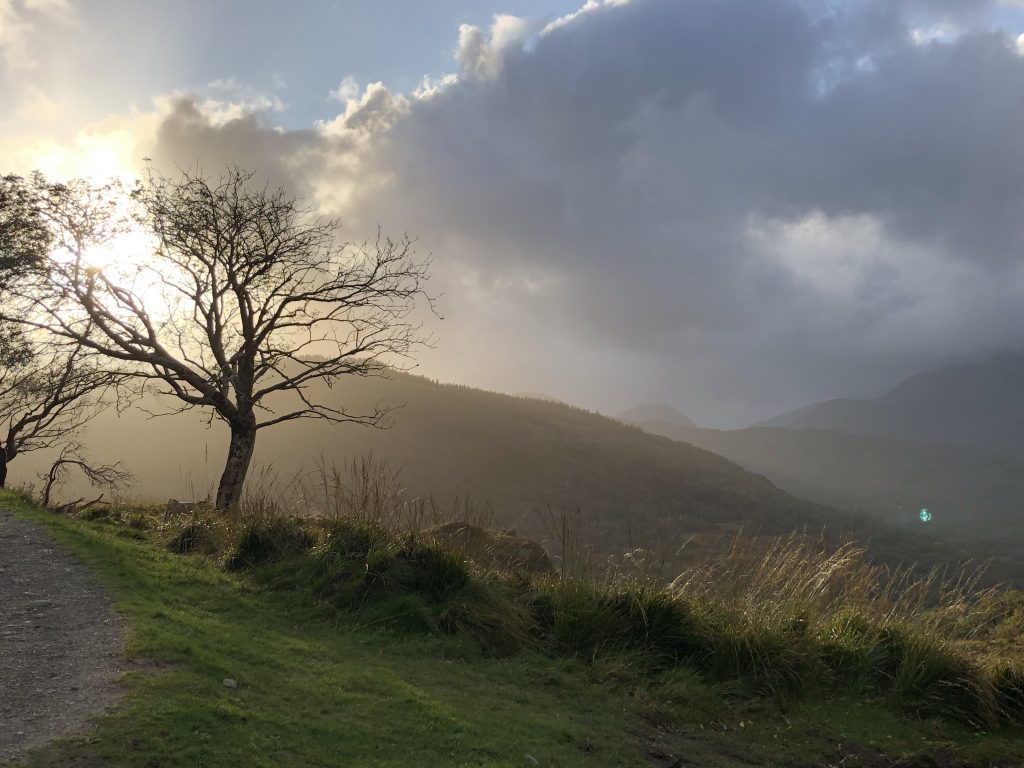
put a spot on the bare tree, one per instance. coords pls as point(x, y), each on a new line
point(112, 476)
point(48, 392)
point(241, 303)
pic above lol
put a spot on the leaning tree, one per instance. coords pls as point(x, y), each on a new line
point(49, 390)
point(49, 387)
point(227, 296)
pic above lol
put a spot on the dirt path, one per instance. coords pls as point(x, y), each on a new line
point(60, 640)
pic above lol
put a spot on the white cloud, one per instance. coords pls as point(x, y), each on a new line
point(943, 32)
point(348, 89)
point(589, 7)
point(430, 87)
point(223, 111)
point(376, 110)
point(481, 56)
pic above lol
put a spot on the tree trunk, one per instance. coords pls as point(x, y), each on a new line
point(229, 491)
point(3, 468)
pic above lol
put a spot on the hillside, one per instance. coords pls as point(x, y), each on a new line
point(979, 404)
point(973, 496)
point(656, 412)
point(522, 456)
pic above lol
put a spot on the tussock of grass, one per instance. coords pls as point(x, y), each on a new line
point(194, 534)
point(357, 560)
point(267, 539)
point(590, 621)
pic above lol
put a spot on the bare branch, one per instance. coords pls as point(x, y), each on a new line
point(112, 476)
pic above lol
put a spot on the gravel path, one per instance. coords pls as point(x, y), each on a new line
point(60, 640)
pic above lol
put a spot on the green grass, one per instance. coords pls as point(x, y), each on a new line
point(323, 687)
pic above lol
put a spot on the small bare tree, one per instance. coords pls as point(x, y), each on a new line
point(111, 476)
point(48, 392)
point(242, 302)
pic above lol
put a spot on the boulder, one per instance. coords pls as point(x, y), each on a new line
point(497, 550)
point(175, 507)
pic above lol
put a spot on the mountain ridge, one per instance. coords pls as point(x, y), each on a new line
point(979, 403)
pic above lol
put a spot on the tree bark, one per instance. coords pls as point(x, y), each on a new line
point(3, 467)
point(240, 450)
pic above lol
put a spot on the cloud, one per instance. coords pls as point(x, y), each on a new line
point(346, 90)
point(373, 112)
point(481, 56)
point(735, 206)
point(18, 25)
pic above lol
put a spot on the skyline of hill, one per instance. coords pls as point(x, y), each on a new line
point(979, 403)
point(658, 412)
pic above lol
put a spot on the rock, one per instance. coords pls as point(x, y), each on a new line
point(498, 550)
point(175, 507)
point(229, 683)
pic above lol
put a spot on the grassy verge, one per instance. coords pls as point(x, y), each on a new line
point(319, 686)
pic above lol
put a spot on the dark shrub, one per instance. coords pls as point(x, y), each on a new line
point(486, 611)
point(427, 570)
point(590, 621)
point(360, 561)
point(1009, 689)
point(268, 540)
point(351, 539)
point(196, 535)
point(762, 660)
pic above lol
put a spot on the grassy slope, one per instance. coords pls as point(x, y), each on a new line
point(316, 691)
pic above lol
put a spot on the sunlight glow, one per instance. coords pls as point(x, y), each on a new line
point(126, 261)
point(95, 156)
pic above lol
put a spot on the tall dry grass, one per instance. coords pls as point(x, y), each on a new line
point(773, 581)
point(364, 489)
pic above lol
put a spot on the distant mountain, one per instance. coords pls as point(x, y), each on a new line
point(529, 458)
point(656, 412)
point(973, 495)
point(979, 404)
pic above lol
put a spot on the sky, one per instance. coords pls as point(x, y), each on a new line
point(737, 207)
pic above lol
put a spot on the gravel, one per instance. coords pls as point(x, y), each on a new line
point(60, 641)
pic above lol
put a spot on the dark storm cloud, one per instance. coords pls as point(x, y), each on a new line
point(737, 206)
